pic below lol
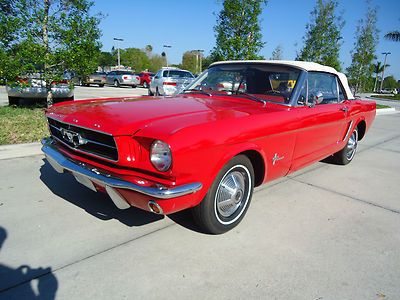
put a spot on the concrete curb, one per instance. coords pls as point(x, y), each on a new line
point(32, 149)
point(20, 150)
point(386, 111)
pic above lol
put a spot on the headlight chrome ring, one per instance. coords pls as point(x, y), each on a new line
point(160, 155)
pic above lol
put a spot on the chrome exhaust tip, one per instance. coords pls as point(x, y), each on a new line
point(155, 208)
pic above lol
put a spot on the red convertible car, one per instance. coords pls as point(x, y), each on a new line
point(238, 125)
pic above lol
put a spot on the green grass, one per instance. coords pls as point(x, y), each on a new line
point(395, 97)
point(382, 106)
point(22, 124)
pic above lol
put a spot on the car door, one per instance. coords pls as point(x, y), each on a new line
point(322, 119)
point(110, 77)
point(155, 82)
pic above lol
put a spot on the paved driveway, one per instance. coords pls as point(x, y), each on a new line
point(327, 232)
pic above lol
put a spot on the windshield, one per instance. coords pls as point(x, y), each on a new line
point(268, 82)
point(177, 74)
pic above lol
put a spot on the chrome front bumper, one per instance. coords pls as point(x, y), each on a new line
point(86, 175)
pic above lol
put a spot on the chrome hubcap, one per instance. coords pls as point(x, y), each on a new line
point(352, 145)
point(231, 193)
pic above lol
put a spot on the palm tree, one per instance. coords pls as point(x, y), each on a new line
point(378, 68)
point(393, 36)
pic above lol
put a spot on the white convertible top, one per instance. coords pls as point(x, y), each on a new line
point(305, 65)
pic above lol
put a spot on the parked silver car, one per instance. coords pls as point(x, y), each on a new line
point(98, 78)
point(118, 78)
point(33, 89)
point(170, 81)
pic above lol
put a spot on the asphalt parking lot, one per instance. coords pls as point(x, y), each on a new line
point(326, 232)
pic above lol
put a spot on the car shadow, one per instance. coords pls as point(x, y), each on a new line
point(98, 204)
point(185, 219)
point(16, 283)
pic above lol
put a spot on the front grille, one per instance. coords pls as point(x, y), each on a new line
point(85, 140)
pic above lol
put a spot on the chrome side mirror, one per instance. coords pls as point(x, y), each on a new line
point(316, 99)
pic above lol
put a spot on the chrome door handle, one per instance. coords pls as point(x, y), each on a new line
point(344, 108)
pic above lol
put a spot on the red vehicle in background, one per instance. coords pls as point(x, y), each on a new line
point(145, 78)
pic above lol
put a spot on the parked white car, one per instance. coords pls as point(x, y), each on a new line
point(170, 81)
point(33, 89)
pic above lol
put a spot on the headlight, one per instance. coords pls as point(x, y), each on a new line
point(160, 155)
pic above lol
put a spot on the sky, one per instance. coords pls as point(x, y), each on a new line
point(188, 25)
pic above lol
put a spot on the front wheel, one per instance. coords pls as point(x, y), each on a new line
point(228, 199)
point(346, 155)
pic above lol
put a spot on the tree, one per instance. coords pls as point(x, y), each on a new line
point(363, 54)
point(322, 40)
point(277, 54)
point(238, 34)
point(106, 59)
point(157, 62)
point(191, 61)
point(148, 49)
point(48, 36)
point(378, 69)
point(393, 36)
point(390, 83)
point(135, 58)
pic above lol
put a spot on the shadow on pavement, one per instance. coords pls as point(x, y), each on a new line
point(98, 204)
point(16, 283)
point(185, 219)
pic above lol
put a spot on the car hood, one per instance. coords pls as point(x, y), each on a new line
point(129, 115)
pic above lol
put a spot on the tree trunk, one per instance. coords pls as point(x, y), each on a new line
point(45, 37)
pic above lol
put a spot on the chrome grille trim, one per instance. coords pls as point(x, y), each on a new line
point(96, 144)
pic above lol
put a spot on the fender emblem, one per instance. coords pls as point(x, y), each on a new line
point(276, 158)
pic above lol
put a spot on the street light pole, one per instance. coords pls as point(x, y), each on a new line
point(383, 71)
point(166, 56)
point(119, 59)
point(199, 51)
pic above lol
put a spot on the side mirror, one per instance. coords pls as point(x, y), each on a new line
point(316, 99)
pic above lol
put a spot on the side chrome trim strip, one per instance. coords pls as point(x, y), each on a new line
point(61, 163)
point(348, 131)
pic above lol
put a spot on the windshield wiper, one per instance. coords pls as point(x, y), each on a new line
point(252, 97)
point(197, 91)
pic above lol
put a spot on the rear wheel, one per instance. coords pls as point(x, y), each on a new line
point(346, 155)
point(101, 85)
point(228, 199)
point(134, 86)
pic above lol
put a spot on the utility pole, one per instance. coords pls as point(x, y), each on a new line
point(384, 65)
point(119, 59)
point(166, 56)
point(199, 51)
